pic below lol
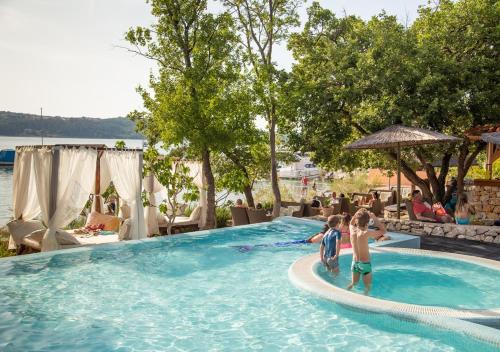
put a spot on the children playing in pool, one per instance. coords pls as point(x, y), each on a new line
point(329, 249)
point(361, 265)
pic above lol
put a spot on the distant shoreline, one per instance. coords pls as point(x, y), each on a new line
point(48, 136)
point(14, 124)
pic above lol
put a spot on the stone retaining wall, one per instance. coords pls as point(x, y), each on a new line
point(487, 234)
point(485, 197)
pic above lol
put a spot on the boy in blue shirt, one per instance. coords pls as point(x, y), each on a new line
point(329, 249)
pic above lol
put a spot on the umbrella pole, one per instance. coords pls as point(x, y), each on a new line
point(399, 182)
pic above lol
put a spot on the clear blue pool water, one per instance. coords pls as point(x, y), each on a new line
point(427, 281)
point(192, 293)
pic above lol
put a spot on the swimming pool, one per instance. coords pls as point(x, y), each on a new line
point(195, 292)
point(424, 280)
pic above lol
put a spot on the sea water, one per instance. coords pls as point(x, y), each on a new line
point(210, 291)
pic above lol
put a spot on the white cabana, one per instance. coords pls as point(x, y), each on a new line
point(54, 183)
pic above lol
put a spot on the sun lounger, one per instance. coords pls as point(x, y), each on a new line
point(30, 234)
point(191, 221)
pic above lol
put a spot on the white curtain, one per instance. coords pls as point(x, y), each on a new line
point(151, 186)
point(25, 202)
point(64, 179)
point(125, 168)
point(196, 172)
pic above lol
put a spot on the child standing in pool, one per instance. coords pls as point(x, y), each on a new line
point(361, 265)
point(329, 249)
point(344, 230)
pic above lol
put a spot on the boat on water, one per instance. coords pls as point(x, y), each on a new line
point(7, 157)
point(302, 167)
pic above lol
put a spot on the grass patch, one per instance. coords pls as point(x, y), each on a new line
point(4, 244)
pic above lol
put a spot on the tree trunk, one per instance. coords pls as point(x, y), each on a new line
point(274, 168)
point(414, 178)
point(465, 161)
point(249, 196)
point(209, 178)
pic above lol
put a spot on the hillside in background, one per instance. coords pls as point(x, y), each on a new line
point(28, 125)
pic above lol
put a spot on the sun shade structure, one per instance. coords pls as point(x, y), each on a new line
point(397, 136)
point(55, 182)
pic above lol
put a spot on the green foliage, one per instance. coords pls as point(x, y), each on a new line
point(176, 179)
point(77, 223)
point(354, 77)
point(263, 24)
point(222, 214)
point(120, 144)
point(4, 244)
point(192, 98)
point(356, 182)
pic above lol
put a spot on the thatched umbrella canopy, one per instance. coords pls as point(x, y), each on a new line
point(401, 136)
point(397, 136)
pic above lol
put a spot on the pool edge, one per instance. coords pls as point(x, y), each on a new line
point(475, 323)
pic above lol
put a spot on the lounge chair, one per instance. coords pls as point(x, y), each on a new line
point(191, 221)
point(30, 234)
point(240, 216)
point(257, 215)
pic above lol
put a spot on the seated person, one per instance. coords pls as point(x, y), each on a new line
point(464, 211)
point(239, 203)
point(334, 199)
point(316, 203)
point(375, 198)
point(423, 210)
point(451, 205)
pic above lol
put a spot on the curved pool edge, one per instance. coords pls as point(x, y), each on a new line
point(474, 322)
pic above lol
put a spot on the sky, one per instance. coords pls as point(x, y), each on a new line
point(65, 55)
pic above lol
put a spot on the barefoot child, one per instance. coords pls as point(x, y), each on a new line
point(361, 264)
point(329, 249)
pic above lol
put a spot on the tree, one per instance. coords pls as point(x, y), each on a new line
point(238, 168)
point(190, 99)
point(263, 24)
point(353, 78)
point(174, 176)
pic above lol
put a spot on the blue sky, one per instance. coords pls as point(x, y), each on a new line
point(62, 55)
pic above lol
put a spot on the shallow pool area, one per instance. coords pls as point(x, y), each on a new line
point(426, 280)
point(193, 292)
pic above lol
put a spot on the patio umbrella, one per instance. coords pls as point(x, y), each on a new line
point(397, 136)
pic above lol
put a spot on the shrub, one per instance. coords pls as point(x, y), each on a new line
point(4, 244)
point(222, 215)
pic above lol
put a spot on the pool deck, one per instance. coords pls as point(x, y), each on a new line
point(450, 245)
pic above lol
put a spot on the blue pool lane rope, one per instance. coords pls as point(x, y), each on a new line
point(248, 247)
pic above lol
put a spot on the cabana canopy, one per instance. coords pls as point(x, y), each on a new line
point(55, 182)
point(397, 136)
